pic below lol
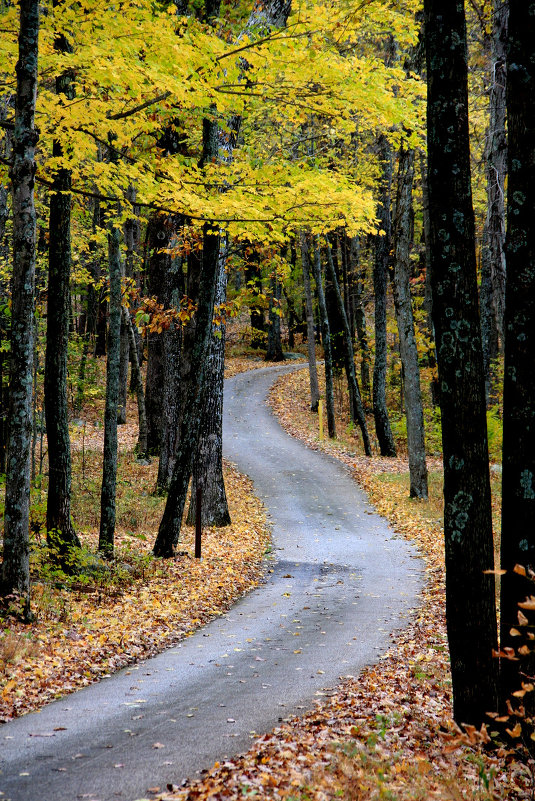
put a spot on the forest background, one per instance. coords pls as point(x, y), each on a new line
point(195, 164)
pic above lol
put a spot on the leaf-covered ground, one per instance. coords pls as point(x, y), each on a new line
point(105, 619)
point(387, 734)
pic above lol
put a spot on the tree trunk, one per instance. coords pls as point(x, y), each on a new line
point(194, 381)
point(274, 345)
point(518, 480)
point(109, 465)
point(470, 603)
point(159, 236)
point(336, 324)
point(311, 339)
point(124, 358)
point(60, 532)
point(16, 560)
point(208, 459)
point(360, 322)
point(137, 380)
point(175, 341)
point(493, 246)
point(355, 404)
point(380, 272)
point(414, 413)
point(326, 337)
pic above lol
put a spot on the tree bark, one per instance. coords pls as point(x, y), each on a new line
point(356, 408)
point(137, 380)
point(387, 446)
point(414, 413)
point(326, 337)
point(194, 381)
point(106, 541)
point(274, 345)
point(311, 339)
point(493, 246)
point(470, 603)
point(60, 532)
point(518, 479)
point(208, 460)
point(16, 559)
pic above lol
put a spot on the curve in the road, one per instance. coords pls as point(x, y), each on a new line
point(340, 582)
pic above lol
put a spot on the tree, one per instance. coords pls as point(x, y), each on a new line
point(518, 481)
point(326, 341)
point(405, 322)
point(16, 561)
point(311, 338)
point(381, 262)
point(106, 542)
point(60, 531)
point(470, 608)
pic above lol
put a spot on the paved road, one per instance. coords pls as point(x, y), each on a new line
point(341, 582)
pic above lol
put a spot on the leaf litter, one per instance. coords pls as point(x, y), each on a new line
point(387, 734)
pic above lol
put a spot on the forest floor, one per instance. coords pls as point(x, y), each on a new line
point(388, 734)
point(108, 616)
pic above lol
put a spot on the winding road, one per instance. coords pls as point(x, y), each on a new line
point(340, 582)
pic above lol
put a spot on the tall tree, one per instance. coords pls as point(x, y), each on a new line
point(311, 339)
point(414, 413)
point(518, 482)
point(470, 603)
point(16, 560)
point(356, 408)
point(106, 542)
point(193, 385)
point(326, 341)
point(60, 531)
point(493, 245)
point(381, 263)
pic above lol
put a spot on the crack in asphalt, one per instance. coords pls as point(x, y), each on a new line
point(338, 582)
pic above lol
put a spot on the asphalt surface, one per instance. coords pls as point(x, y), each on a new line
point(341, 581)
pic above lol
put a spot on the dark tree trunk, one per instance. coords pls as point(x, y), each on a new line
point(470, 602)
point(407, 341)
point(194, 381)
point(208, 460)
point(254, 281)
point(16, 560)
point(60, 531)
point(493, 246)
point(326, 337)
point(109, 465)
point(175, 340)
point(124, 358)
point(159, 237)
point(4, 324)
point(311, 340)
point(380, 274)
point(360, 321)
point(518, 481)
point(355, 402)
point(428, 289)
point(274, 345)
point(336, 324)
point(137, 380)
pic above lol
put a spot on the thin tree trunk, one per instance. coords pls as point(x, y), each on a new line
point(414, 413)
point(470, 601)
point(311, 339)
point(356, 408)
point(518, 480)
point(360, 323)
point(493, 246)
point(380, 272)
point(137, 380)
point(326, 337)
point(208, 459)
point(16, 559)
point(106, 541)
